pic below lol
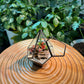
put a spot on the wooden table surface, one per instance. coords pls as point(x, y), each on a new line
point(15, 68)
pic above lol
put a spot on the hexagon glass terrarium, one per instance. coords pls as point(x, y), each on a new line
point(40, 49)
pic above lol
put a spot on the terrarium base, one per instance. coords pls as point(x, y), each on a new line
point(39, 62)
point(41, 58)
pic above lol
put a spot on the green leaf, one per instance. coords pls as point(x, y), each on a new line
point(20, 3)
point(47, 8)
point(46, 32)
point(51, 27)
point(13, 5)
point(24, 35)
point(1, 1)
point(14, 11)
point(70, 12)
point(60, 36)
point(12, 26)
point(3, 19)
point(3, 6)
point(7, 2)
point(18, 20)
point(11, 20)
point(19, 27)
point(22, 17)
point(73, 6)
point(25, 29)
point(50, 16)
point(55, 22)
point(57, 17)
point(34, 10)
point(44, 24)
point(31, 35)
point(6, 25)
point(62, 24)
point(0, 11)
point(28, 23)
point(75, 25)
point(68, 19)
point(76, 18)
point(36, 24)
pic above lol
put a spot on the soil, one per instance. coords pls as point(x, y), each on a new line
point(80, 47)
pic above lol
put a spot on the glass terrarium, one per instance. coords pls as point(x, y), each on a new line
point(40, 49)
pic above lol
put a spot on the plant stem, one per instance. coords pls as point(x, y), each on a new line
point(81, 33)
point(81, 2)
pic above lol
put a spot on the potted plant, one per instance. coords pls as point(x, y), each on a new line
point(79, 43)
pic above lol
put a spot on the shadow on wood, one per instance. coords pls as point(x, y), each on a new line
point(24, 64)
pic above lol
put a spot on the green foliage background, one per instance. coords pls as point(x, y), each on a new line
point(26, 17)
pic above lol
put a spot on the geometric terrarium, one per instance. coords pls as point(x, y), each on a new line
point(40, 49)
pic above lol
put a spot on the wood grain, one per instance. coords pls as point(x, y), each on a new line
point(15, 68)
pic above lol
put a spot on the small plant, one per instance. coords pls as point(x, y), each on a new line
point(41, 46)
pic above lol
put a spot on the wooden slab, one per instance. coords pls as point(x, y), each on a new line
point(15, 68)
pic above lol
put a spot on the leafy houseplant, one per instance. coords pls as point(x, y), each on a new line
point(26, 19)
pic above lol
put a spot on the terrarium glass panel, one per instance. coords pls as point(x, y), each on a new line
point(58, 50)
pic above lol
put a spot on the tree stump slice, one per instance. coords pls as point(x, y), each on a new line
point(15, 68)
